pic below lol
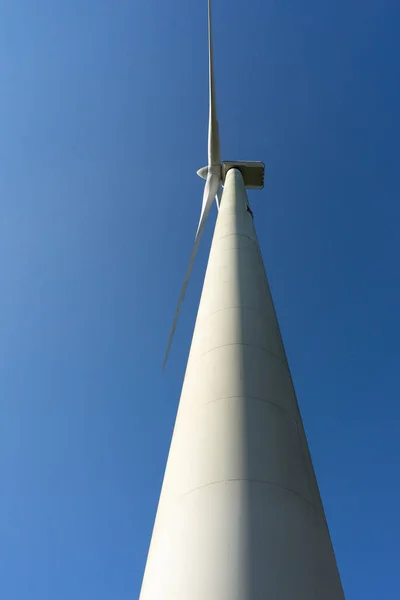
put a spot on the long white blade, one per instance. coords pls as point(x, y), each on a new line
point(214, 153)
point(212, 181)
point(210, 191)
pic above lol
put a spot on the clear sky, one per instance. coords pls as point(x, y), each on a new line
point(103, 121)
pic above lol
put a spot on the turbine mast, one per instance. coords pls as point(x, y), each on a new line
point(240, 515)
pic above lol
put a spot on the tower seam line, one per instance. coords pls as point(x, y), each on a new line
point(264, 482)
point(196, 358)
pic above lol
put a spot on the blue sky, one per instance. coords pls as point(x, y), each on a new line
point(103, 117)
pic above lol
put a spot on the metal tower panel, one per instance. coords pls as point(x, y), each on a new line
point(240, 515)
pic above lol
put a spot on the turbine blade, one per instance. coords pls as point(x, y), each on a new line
point(214, 153)
point(210, 190)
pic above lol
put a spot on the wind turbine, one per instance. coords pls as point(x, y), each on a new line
point(240, 515)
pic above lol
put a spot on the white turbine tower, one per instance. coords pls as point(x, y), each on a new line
point(240, 515)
